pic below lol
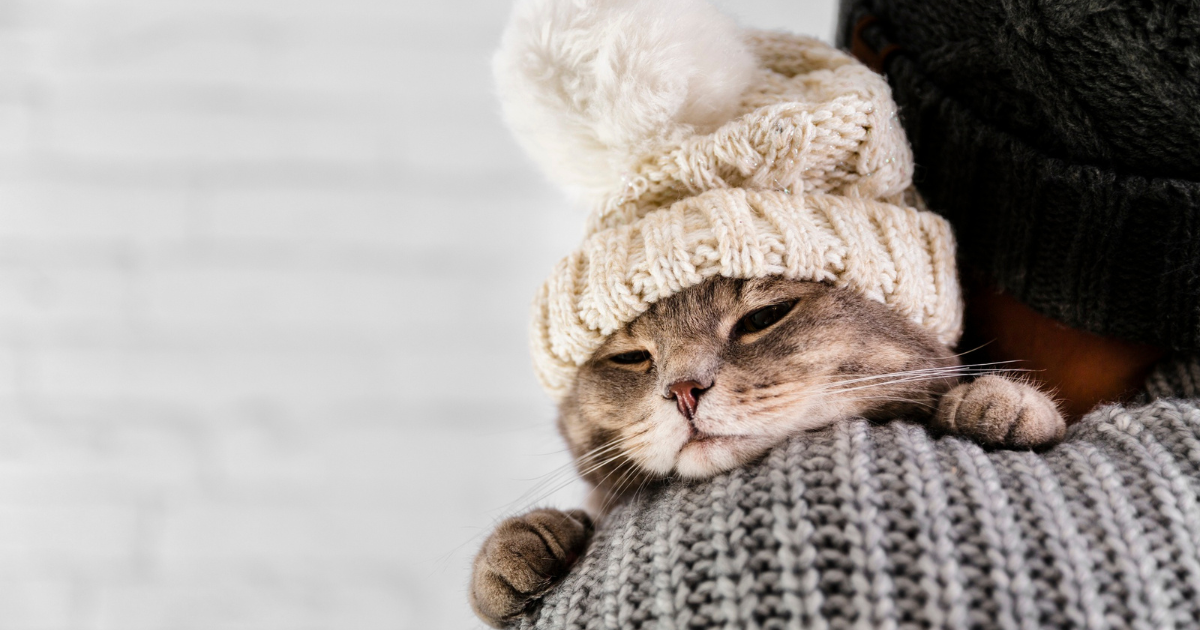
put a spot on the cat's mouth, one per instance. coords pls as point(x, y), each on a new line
point(706, 454)
point(696, 436)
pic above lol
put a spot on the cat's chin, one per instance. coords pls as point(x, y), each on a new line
point(712, 455)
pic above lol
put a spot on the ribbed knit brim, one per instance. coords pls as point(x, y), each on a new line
point(894, 255)
point(1064, 145)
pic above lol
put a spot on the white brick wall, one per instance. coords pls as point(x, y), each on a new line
point(264, 272)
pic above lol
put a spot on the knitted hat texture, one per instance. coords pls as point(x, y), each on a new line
point(1062, 140)
point(805, 174)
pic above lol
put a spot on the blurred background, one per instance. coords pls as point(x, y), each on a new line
point(264, 276)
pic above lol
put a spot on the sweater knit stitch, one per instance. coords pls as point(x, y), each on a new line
point(885, 526)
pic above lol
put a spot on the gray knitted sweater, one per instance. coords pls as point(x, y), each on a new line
point(883, 526)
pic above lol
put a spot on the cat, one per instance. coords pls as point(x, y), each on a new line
point(712, 377)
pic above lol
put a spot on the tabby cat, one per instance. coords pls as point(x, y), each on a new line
point(712, 377)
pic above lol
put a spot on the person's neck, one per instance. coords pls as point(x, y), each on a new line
point(1080, 369)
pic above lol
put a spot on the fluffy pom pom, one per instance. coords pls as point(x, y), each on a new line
point(588, 86)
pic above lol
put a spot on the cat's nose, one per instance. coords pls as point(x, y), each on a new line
point(687, 396)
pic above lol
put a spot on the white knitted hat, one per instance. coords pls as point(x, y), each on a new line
point(709, 150)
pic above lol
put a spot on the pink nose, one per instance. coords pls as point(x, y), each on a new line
point(687, 396)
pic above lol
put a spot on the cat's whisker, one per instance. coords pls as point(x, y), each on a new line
point(553, 471)
point(910, 376)
point(567, 467)
point(641, 486)
point(979, 347)
point(617, 488)
point(606, 449)
point(562, 477)
point(599, 452)
point(609, 444)
point(883, 379)
point(539, 493)
point(549, 477)
point(602, 464)
point(874, 377)
point(971, 368)
point(560, 483)
point(625, 468)
point(619, 456)
point(626, 476)
point(625, 487)
point(964, 370)
point(554, 479)
point(896, 381)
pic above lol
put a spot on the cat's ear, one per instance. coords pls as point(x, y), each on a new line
point(589, 86)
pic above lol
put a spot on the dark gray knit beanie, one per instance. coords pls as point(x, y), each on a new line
point(1062, 140)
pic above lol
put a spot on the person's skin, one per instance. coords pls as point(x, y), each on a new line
point(1081, 369)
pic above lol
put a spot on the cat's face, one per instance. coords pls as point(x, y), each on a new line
point(712, 377)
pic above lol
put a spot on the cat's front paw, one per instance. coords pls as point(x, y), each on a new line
point(523, 558)
point(995, 411)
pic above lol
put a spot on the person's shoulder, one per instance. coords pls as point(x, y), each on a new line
point(1175, 377)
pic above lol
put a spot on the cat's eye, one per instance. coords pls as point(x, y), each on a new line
point(763, 318)
point(630, 358)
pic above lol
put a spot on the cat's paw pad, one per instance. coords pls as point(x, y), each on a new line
point(523, 558)
point(995, 411)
